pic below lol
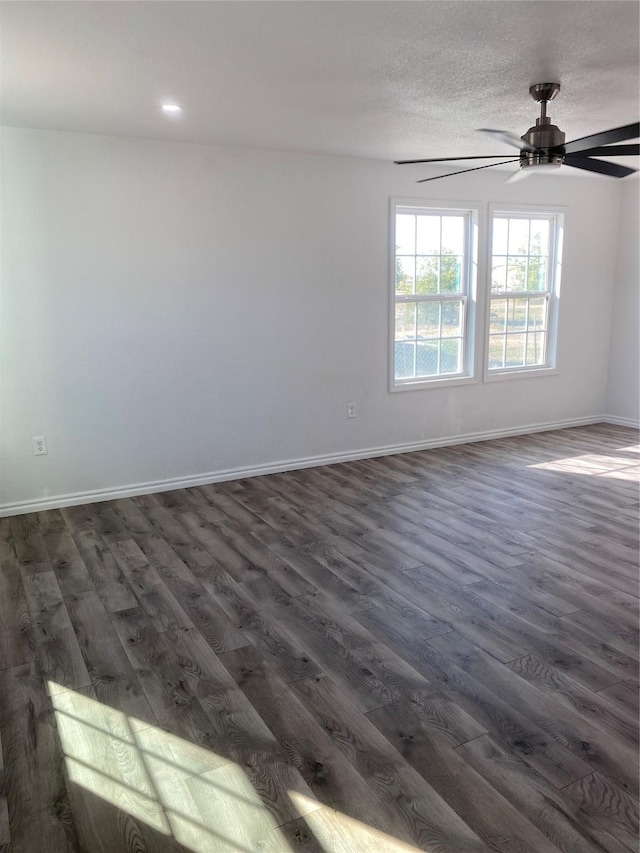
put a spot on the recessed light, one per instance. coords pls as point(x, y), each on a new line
point(171, 108)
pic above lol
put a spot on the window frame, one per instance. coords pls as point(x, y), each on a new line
point(556, 217)
point(468, 295)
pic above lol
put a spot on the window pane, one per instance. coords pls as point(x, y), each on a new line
point(500, 236)
point(517, 315)
point(537, 274)
point(405, 321)
point(515, 350)
point(405, 274)
point(521, 264)
point(539, 241)
point(405, 360)
point(427, 275)
point(516, 273)
point(450, 274)
point(450, 352)
point(537, 313)
point(405, 234)
point(536, 348)
point(429, 319)
point(427, 358)
point(496, 351)
point(518, 236)
point(428, 235)
point(499, 274)
point(498, 315)
point(452, 235)
point(430, 259)
point(451, 319)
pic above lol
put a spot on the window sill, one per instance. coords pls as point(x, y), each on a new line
point(429, 384)
point(504, 375)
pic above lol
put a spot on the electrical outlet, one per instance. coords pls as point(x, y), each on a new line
point(40, 445)
point(352, 411)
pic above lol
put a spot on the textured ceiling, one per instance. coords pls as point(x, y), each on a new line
point(371, 79)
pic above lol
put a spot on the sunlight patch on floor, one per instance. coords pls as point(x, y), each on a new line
point(337, 832)
point(617, 467)
point(632, 474)
point(179, 789)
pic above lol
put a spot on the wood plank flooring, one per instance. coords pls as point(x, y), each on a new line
point(436, 651)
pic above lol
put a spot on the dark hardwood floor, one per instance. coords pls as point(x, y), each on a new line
point(434, 651)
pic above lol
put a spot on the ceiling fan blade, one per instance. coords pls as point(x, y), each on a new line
point(462, 171)
point(444, 159)
point(509, 138)
point(614, 170)
point(612, 151)
point(607, 137)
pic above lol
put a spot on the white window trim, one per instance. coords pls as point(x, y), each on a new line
point(555, 264)
point(469, 339)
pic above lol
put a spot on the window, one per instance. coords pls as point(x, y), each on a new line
point(431, 296)
point(525, 265)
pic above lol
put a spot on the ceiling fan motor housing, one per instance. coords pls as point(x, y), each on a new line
point(543, 135)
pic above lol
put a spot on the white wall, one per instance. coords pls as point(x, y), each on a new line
point(131, 269)
point(623, 392)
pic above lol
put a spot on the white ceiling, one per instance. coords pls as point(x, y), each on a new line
point(385, 80)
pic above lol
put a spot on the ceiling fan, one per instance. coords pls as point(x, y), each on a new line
point(543, 146)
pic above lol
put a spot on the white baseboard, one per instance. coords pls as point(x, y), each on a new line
point(95, 495)
point(625, 422)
